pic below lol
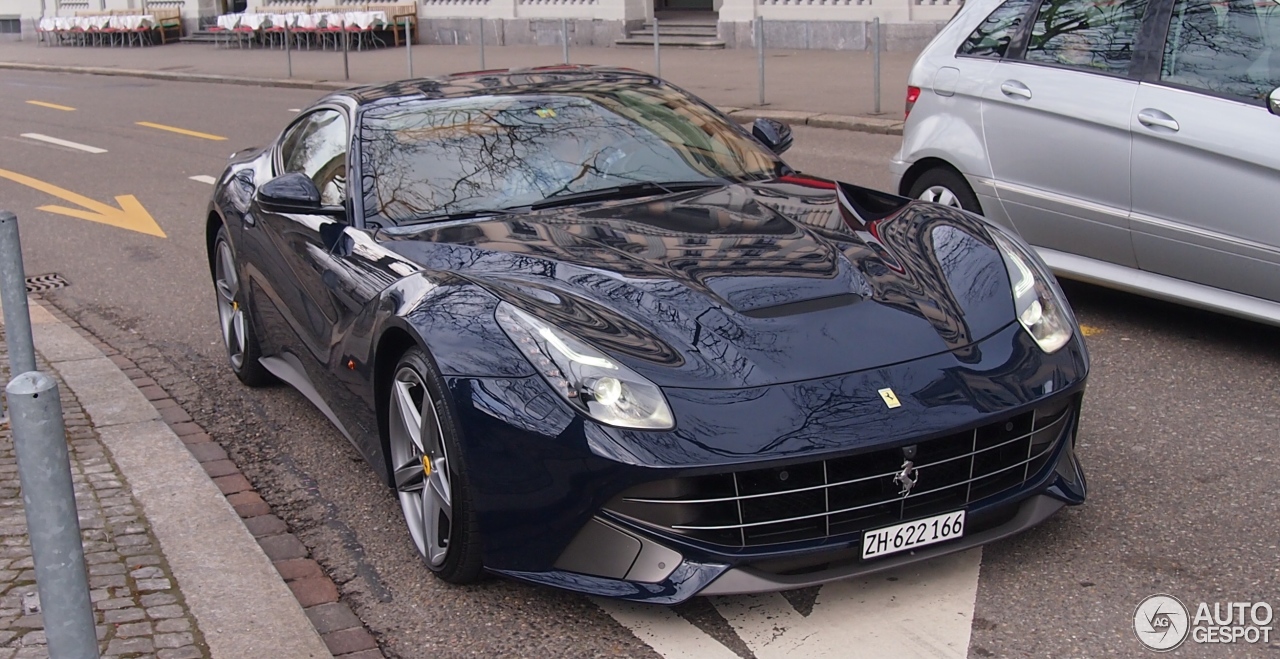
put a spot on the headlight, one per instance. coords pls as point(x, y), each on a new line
point(605, 390)
point(1036, 298)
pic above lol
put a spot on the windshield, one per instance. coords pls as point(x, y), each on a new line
point(428, 158)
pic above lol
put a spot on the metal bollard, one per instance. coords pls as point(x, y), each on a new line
point(346, 67)
point(408, 42)
point(564, 37)
point(760, 53)
point(288, 49)
point(40, 441)
point(657, 51)
point(13, 295)
point(875, 65)
point(481, 43)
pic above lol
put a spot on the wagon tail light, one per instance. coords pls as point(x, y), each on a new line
point(913, 95)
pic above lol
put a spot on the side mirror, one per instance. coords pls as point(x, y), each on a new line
point(774, 134)
point(1273, 101)
point(290, 193)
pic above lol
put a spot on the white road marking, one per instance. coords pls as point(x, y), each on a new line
point(295, 109)
point(926, 611)
point(204, 178)
point(668, 634)
point(68, 144)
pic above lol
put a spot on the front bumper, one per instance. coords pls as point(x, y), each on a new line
point(1061, 483)
point(543, 476)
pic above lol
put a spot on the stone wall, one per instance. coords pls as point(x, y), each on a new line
point(830, 35)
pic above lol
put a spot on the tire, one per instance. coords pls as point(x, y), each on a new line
point(436, 502)
point(945, 186)
point(235, 317)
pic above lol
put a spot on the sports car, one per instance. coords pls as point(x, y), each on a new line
point(594, 334)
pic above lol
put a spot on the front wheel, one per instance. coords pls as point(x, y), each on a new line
point(238, 337)
point(947, 187)
point(429, 474)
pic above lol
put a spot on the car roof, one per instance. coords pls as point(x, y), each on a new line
point(537, 80)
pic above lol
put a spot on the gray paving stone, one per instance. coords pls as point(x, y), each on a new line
point(130, 645)
point(166, 611)
point(150, 572)
point(107, 568)
point(173, 625)
point(153, 584)
point(189, 652)
point(107, 581)
point(138, 561)
point(157, 599)
point(173, 640)
point(134, 629)
point(114, 603)
point(123, 615)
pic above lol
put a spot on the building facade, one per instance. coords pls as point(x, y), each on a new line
point(788, 24)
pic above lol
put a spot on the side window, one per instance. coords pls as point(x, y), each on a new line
point(1095, 35)
point(317, 147)
point(992, 37)
point(1230, 48)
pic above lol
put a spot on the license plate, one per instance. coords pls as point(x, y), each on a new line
point(901, 537)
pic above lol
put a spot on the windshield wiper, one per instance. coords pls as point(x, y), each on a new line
point(461, 215)
point(564, 198)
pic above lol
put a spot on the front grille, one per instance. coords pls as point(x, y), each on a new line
point(851, 494)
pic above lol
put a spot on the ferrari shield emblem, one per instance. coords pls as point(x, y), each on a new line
point(890, 398)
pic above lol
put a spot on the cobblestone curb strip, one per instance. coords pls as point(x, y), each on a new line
point(881, 125)
point(138, 608)
point(341, 631)
point(238, 602)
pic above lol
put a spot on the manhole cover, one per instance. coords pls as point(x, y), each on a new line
point(41, 283)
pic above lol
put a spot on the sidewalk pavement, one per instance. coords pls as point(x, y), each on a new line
point(825, 88)
point(185, 561)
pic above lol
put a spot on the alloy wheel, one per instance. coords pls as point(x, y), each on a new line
point(939, 194)
point(421, 465)
point(230, 314)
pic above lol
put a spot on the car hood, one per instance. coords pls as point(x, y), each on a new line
point(740, 286)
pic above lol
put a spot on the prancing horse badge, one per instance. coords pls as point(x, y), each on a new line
point(890, 398)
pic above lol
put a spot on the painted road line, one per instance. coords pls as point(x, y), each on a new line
point(295, 109)
point(55, 106)
point(1088, 330)
point(925, 611)
point(668, 634)
point(204, 178)
point(182, 131)
point(70, 145)
point(126, 214)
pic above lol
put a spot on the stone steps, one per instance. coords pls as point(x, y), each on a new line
point(675, 34)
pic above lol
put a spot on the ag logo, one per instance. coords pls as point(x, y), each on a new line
point(1161, 622)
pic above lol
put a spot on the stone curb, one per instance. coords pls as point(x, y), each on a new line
point(881, 125)
point(177, 77)
point(342, 632)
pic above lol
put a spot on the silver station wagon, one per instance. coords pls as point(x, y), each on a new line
point(1133, 142)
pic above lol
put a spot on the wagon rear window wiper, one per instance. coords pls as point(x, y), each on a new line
point(623, 191)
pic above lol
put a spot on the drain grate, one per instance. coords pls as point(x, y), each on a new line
point(49, 282)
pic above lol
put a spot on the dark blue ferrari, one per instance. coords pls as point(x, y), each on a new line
point(596, 335)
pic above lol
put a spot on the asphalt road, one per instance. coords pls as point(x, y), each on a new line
point(1178, 436)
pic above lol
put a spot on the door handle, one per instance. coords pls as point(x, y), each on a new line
point(1015, 88)
point(1152, 118)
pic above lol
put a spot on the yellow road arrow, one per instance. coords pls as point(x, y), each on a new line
point(129, 215)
